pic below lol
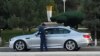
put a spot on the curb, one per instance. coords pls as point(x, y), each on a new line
point(50, 54)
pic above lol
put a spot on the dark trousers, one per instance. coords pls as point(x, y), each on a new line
point(43, 45)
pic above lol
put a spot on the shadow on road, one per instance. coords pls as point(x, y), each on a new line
point(7, 49)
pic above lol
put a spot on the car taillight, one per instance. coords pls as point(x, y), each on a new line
point(87, 36)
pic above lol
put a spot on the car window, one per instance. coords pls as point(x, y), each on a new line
point(57, 31)
point(52, 31)
point(49, 31)
point(63, 31)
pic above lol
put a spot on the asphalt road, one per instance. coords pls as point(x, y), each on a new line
point(7, 49)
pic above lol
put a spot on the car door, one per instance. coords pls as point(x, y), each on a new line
point(34, 41)
point(55, 37)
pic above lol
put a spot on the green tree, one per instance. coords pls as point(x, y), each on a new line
point(70, 18)
point(24, 10)
point(41, 9)
point(2, 24)
point(70, 5)
point(3, 15)
point(13, 22)
point(91, 8)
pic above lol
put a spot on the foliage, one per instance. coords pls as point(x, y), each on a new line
point(27, 12)
point(13, 22)
point(2, 23)
point(8, 34)
point(69, 5)
point(92, 10)
point(30, 13)
point(71, 18)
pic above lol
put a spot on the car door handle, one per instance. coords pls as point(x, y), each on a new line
point(27, 38)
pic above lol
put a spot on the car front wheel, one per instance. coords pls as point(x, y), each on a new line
point(71, 45)
point(20, 45)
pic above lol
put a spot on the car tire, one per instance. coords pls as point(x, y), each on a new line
point(20, 45)
point(71, 45)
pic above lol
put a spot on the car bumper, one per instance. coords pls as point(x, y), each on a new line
point(91, 44)
point(11, 43)
point(85, 44)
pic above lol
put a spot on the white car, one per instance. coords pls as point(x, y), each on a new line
point(57, 37)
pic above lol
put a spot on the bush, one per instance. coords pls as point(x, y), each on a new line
point(8, 34)
point(71, 18)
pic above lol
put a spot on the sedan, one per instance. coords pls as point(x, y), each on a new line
point(57, 37)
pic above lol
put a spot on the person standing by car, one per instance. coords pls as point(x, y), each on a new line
point(43, 41)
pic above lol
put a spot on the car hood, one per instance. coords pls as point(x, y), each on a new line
point(23, 36)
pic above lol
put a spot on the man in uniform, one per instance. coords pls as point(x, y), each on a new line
point(43, 41)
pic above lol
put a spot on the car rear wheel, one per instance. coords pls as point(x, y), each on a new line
point(71, 45)
point(20, 45)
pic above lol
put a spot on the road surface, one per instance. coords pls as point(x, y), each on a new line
point(7, 49)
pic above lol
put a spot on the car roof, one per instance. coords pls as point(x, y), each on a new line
point(67, 27)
